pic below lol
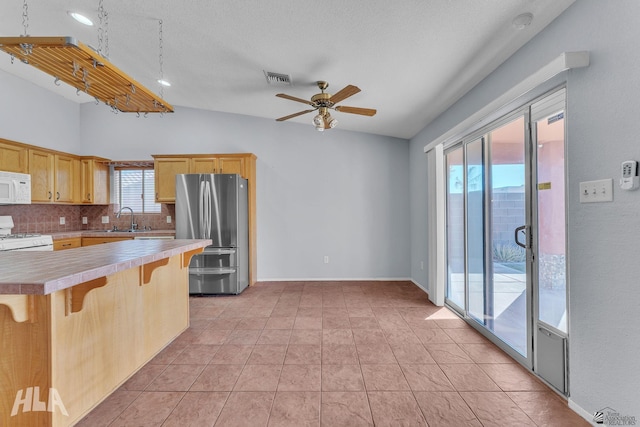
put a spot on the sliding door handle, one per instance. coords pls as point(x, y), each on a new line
point(517, 240)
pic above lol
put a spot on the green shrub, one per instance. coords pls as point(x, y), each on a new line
point(508, 252)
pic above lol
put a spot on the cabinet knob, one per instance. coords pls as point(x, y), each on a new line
point(57, 195)
point(89, 196)
point(50, 195)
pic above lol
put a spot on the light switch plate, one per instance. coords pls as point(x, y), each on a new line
point(596, 191)
point(105, 219)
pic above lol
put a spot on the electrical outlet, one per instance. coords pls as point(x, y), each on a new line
point(326, 259)
point(105, 219)
point(168, 219)
point(62, 220)
point(85, 220)
point(596, 191)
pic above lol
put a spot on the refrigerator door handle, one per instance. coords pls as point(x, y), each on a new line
point(202, 209)
point(208, 189)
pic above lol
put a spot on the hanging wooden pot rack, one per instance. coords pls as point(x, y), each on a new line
point(76, 64)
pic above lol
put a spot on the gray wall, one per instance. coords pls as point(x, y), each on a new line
point(336, 193)
point(603, 129)
point(32, 115)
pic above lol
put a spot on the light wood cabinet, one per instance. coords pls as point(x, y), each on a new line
point(94, 181)
point(65, 176)
point(69, 243)
point(58, 177)
point(165, 171)
point(13, 158)
point(89, 241)
point(53, 177)
point(167, 166)
point(219, 164)
point(41, 171)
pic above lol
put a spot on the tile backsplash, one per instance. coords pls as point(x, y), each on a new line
point(44, 218)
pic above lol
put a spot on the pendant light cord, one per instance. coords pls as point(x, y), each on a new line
point(25, 18)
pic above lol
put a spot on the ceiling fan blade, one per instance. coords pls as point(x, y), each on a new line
point(355, 110)
point(290, 116)
point(344, 93)
point(293, 98)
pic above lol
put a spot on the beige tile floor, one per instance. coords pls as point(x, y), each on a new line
point(330, 354)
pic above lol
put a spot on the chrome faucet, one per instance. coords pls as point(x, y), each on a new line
point(133, 226)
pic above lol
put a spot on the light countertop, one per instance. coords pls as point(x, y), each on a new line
point(34, 272)
point(102, 233)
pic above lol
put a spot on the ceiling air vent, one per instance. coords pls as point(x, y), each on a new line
point(277, 79)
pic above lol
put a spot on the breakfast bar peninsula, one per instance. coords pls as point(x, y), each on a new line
point(76, 324)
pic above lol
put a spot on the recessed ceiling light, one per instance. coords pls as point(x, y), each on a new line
point(522, 21)
point(164, 83)
point(81, 18)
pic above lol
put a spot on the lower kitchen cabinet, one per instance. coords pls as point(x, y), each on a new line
point(70, 243)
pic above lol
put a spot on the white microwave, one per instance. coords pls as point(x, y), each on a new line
point(15, 188)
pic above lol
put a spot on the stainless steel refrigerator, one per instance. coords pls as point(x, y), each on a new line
point(215, 206)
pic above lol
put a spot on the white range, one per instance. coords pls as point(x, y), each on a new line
point(22, 241)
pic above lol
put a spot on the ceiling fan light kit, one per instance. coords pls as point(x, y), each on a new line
point(323, 102)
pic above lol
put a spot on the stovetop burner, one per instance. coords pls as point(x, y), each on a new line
point(19, 236)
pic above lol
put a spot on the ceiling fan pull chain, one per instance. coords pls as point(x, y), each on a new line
point(25, 18)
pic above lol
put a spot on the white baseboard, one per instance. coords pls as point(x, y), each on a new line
point(424, 288)
point(580, 411)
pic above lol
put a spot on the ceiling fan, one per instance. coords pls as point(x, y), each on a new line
point(323, 102)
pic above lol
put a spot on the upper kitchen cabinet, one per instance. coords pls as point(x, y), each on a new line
point(94, 181)
point(168, 166)
point(13, 157)
point(41, 171)
point(165, 171)
point(65, 177)
point(219, 164)
point(53, 176)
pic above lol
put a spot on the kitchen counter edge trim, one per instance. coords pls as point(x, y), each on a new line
point(101, 264)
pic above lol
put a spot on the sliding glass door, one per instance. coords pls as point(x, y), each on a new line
point(455, 292)
point(507, 281)
point(506, 237)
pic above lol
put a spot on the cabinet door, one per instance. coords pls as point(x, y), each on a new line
point(165, 176)
point(94, 177)
point(231, 165)
point(13, 158)
point(100, 183)
point(86, 181)
point(41, 170)
point(203, 165)
point(64, 178)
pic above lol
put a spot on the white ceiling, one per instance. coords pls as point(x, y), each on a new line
point(411, 58)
